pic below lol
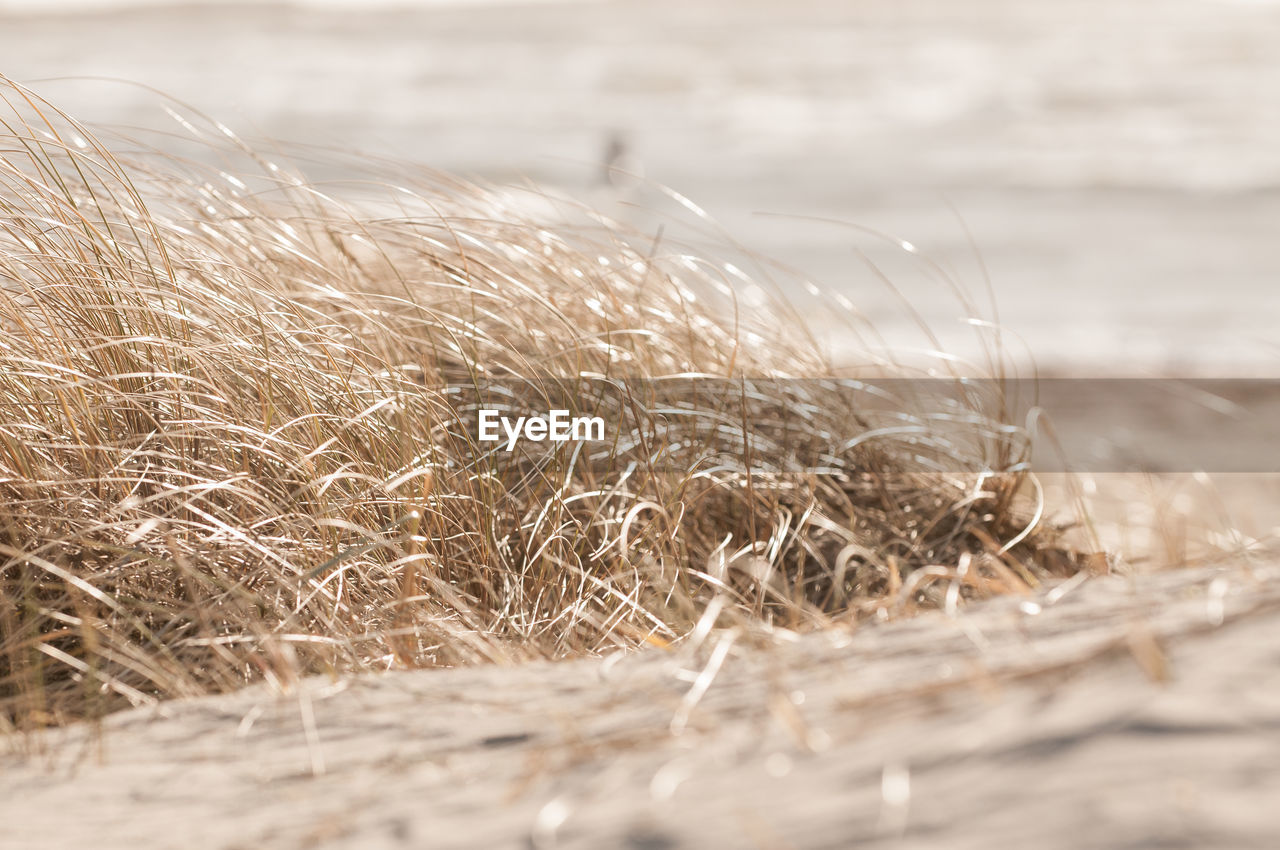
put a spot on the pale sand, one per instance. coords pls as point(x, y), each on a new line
point(1011, 725)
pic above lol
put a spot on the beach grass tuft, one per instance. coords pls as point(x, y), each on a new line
point(237, 438)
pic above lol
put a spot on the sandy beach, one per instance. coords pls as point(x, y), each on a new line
point(1097, 181)
point(1105, 712)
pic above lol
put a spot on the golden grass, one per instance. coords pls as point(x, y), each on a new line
point(237, 418)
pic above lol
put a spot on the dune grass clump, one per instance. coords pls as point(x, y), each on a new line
point(237, 437)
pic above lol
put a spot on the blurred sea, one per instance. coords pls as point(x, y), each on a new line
point(1112, 166)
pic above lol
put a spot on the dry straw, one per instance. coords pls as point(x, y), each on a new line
point(235, 442)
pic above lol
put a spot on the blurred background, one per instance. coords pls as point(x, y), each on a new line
point(1112, 167)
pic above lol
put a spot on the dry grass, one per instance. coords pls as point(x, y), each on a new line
point(237, 442)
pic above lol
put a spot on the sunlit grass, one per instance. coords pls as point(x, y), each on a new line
point(236, 443)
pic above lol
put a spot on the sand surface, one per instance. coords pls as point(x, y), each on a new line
point(1105, 712)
